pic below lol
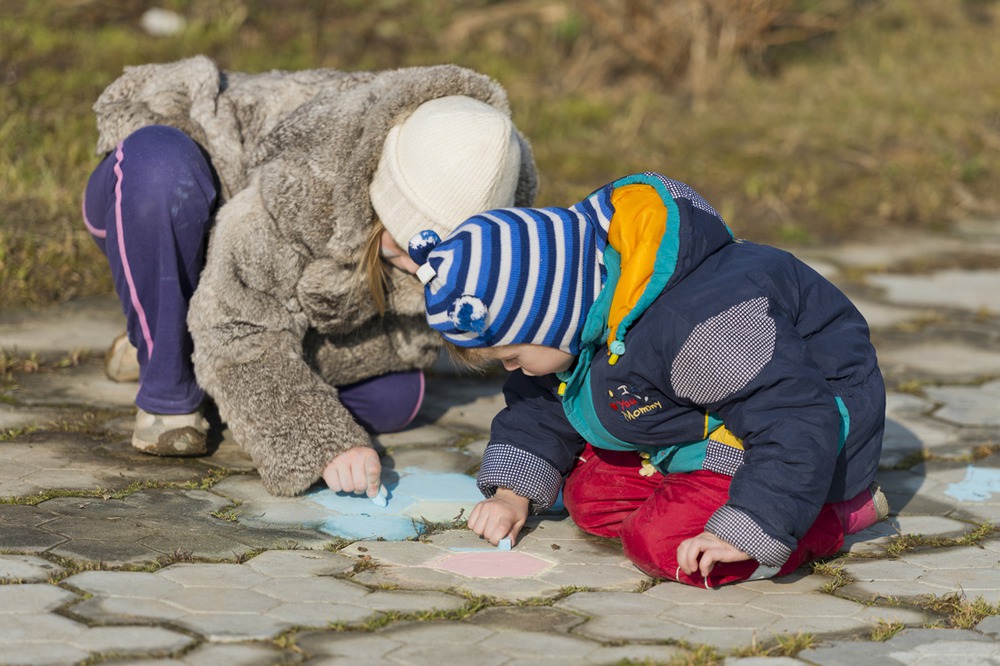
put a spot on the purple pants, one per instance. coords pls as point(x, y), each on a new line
point(149, 205)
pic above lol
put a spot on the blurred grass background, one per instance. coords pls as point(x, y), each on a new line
point(802, 121)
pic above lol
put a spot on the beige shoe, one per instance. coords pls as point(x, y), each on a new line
point(170, 434)
point(121, 362)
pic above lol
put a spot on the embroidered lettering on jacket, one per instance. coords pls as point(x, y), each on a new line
point(630, 404)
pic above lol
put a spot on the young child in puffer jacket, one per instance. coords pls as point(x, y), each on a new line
point(714, 403)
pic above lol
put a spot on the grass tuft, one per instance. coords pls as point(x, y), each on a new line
point(958, 611)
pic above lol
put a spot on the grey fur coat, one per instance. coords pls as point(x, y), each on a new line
point(279, 317)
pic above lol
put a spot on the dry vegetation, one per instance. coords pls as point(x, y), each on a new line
point(803, 121)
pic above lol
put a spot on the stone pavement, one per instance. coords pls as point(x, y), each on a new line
point(110, 556)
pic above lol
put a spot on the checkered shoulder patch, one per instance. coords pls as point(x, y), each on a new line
point(725, 352)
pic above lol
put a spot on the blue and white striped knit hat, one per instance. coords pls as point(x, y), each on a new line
point(516, 275)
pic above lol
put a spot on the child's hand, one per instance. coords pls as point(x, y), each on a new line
point(703, 551)
point(502, 515)
point(356, 470)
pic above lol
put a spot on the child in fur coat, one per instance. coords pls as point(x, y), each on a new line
point(300, 318)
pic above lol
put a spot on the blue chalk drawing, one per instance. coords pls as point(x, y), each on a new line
point(355, 516)
point(978, 486)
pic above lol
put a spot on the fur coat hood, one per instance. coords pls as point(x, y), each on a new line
point(280, 316)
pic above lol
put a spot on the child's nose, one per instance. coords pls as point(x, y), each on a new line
point(510, 365)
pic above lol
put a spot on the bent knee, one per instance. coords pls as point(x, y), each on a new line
point(170, 169)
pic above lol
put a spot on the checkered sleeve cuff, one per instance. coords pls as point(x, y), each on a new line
point(506, 466)
point(737, 528)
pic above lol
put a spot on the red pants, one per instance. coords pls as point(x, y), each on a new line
point(606, 496)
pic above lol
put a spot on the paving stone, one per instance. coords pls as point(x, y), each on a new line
point(127, 608)
point(798, 582)
point(417, 435)
point(26, 569)
point(493, 564)
point(911, 430)
point(463, 403)
point(922, 647)
point(83, 385)
point(13, 417)
point(990, 626)
point(213, 575)
point(30, 653)
point(144, 526)
point(876, 538)
point(132, 640)
point(476, 448)
point(412, 601)
point(71, 461)
point(910, 492)
point(230, 655)
point(86, 324)
point(346, 648)
point(38, 627)
point(457, 634)
point(873, 539)
point(624, 577)
point(280, 564)
point(641, 654)
point(801, 605)
point(817, 626)
point(970, 290)
point(967, 405)
point(32, 598)
point(23, 529)
point(719, 615)
point(433, 656)
point(228, 602)
point(955, 559)
point(259, 509)
point(527, 619)
point(507, 589)
point(974, 489)
point(893, 249)
point(532, 646)
point(617, 603)
point(439, 459)
point(953, 362)
point(232, 627)
point(408, 578)
point(136, 584)
point(44, 638)
point(871, 616)
point(932, 526)
point(882, 315)
point(539, 566)
point(972, 571)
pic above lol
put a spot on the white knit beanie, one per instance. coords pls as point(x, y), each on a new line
point(451, 158)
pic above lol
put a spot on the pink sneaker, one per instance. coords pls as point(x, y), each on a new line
point(864, 510)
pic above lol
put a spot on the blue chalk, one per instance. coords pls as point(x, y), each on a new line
point(504, 544)
point(380, 497)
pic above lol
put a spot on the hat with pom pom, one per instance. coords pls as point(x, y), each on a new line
point(451, 158)
point(515, 275)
